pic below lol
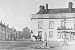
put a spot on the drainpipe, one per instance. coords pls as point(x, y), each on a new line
point(46, 39)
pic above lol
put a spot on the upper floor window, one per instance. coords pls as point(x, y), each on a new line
point(63, 23)
point(51, 24)
point(40, 24)
point(50, 34)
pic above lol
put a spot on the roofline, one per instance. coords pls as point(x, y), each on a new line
point(56, 18)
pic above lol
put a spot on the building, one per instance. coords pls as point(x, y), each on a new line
point(3, 31)
point(54, 24)
point(12, 34)
point(6, 32)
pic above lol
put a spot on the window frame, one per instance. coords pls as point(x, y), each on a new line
point(50, 25)
point(51, 34)
point(39, 33)
point(40, 27)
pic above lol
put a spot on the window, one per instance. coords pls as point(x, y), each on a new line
point(40, 24)
point(60, 35)
point(51, 24)
point(50, 34)
point(40, 33)
point(3, 29)
point(62, 23)
point(67, 35)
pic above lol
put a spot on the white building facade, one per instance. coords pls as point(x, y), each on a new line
point(54, 24)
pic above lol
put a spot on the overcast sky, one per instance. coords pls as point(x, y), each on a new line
point(17, 12)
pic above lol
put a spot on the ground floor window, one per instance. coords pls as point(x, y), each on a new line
point(50, 34)
point(60, 35)
point(40, 33)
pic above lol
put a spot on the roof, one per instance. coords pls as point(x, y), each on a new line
point(55, 11)
point(73, 33)
point(3, 25)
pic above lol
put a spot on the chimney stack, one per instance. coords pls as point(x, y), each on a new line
point(46, 7)
point(70, 6)
point(42, 7)
point(7, 25)
point(1, 21)
point(4, 23)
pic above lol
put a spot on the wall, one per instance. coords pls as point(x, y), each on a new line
point(57, 22)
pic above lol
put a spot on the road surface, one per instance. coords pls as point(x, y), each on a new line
point(25, 45)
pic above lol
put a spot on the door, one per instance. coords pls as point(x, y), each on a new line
point(40, 33)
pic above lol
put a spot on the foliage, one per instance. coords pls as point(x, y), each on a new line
point(24, 34)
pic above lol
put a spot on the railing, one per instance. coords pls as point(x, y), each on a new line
point(47, 16)
point(64, 28)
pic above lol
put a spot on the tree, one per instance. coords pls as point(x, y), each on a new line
point(26, 33)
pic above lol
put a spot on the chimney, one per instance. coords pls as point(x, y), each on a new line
point(7, 25)
point(4, 23)
point(70, 6)
point(42, 7)
point(1, 21)
point(46, 7)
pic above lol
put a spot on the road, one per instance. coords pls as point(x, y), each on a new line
point(24, 45)
point(70, 47)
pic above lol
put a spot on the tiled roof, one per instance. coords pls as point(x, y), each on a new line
point(55, 11)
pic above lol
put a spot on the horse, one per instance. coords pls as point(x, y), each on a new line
point(37, 37)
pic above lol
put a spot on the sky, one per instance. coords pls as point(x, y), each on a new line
point(17, 13)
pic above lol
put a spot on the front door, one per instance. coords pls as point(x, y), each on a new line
point(40, 33)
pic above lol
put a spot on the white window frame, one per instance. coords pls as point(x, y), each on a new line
point(40, 24)
point(39, 33)
point(50, 34)
point(51, 24)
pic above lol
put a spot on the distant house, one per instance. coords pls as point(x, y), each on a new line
point(54, 24)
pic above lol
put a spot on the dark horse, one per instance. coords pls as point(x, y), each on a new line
point(37, 37)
